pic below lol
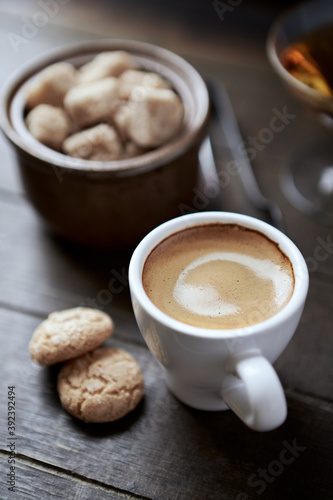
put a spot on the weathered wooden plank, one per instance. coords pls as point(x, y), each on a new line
point(40, 274)
point(36, 481)
point(305, 363)
point(163, 449)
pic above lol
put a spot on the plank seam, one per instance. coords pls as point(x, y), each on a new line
point(58, 471)
point(41, 315)
point(310, 399)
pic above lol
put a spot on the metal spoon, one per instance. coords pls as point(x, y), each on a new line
point(227, 123)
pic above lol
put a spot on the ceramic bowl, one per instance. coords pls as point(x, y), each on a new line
point(289, 27)
point(109, 204)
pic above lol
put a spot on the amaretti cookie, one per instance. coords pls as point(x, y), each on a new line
point(68, 334)
point(101, 386)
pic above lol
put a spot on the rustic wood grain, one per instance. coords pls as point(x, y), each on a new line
point(34, 480)
point(151, 451)
point(40, 274)
point(305, 364)
point(53, 275)
point(163, 450)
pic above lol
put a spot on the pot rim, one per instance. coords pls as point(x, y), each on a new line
point(187, 76)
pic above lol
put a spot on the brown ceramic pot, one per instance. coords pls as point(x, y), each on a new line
point(110, 204)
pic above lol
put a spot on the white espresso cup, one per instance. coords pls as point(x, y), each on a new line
point(211, 369)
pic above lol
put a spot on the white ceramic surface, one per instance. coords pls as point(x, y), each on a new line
point(216, 369)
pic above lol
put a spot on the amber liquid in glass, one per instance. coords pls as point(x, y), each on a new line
point(310, 60)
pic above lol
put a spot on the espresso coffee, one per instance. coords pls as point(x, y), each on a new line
point(219, 276)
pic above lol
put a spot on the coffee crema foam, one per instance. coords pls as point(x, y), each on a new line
point(219, 276)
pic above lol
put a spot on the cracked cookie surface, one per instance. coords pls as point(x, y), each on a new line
point(68, 334)
point(101, 386)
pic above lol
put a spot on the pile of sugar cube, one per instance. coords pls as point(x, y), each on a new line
point(108, 109)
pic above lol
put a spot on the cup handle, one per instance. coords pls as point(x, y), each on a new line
point(254, 392)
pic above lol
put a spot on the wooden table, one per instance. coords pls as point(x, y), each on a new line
point(163, 449)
